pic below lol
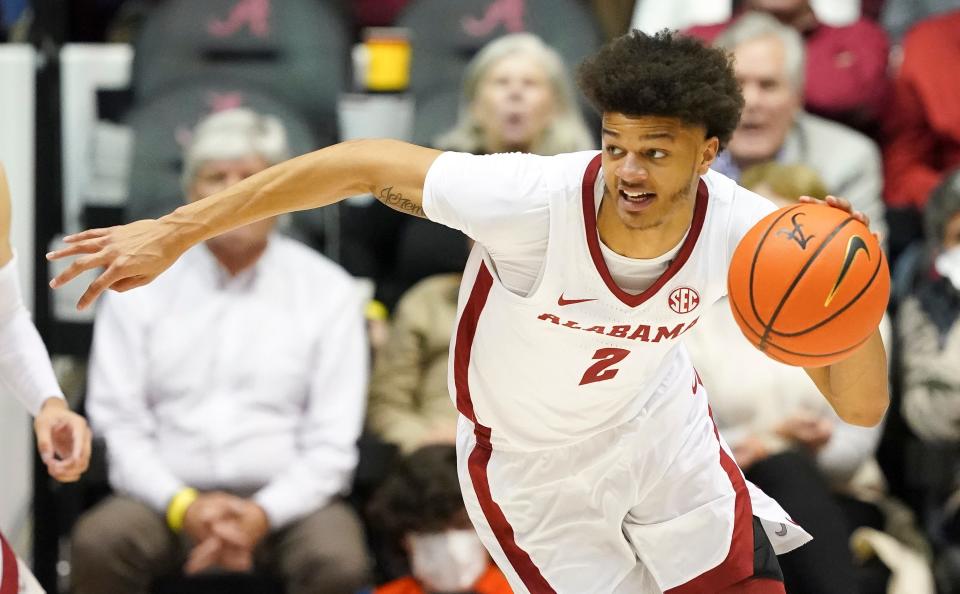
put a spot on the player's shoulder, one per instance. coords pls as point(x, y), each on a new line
point(731, 201)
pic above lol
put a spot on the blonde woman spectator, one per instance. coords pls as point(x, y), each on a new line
point(517, 96)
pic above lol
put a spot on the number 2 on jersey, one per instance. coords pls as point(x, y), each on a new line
point(601, 370)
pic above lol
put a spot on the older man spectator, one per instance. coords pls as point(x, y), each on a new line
point(846, 66)
point(231, 394)
point(768, 60)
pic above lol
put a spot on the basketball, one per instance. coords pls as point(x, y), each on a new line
point(808, 284)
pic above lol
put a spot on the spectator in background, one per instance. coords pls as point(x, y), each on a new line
point(928, 326)
point(410, 405)
point(846, 66)
point(420, 510)
point(783, 434)
point(923, 122)
point(231, 398)
point(517, 96)
point(768, 61)
point(898, 16)
point(927, 323)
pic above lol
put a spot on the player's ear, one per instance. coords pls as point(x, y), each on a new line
point(708, 154)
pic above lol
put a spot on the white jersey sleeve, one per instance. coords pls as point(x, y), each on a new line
point(25, 368)
point(502, 202)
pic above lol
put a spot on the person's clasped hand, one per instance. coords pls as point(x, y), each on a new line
point(63, 440)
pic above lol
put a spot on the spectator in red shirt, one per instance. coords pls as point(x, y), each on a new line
point(922, 127)
point(846, 71)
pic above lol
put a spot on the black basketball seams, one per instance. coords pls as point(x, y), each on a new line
point(768, 326)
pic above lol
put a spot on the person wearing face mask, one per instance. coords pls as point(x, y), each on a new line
point(420, 510)
point(928, 323)
point(928, 327)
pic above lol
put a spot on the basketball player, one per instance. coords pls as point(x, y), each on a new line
point(63, 437)
point(588, 458)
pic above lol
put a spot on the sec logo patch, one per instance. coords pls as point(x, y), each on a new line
point(684, 300)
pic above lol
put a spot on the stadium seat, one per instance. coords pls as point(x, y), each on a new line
point(161, 129)
point(295, 49)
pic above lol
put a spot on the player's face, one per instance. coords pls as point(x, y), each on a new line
point(770, 100)
point(514, 103)
point(651, 166)
point(216, 175)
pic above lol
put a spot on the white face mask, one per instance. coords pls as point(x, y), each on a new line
point(449, 561)
point(948, 265)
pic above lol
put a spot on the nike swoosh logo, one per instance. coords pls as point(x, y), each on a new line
point(561, 302)
point(782, 531)
point(854, 245)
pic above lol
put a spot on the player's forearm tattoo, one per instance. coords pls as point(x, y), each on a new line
point(396, 201)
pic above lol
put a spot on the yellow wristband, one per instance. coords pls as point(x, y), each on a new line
point(376, 310)
point(177, 508)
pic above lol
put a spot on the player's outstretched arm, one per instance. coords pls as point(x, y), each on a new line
point(134, 254)
point(857, 387)
point(63, 437)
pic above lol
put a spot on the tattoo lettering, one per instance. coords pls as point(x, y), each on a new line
point(396, 201)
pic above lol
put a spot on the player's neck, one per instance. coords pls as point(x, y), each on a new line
point(647, 243)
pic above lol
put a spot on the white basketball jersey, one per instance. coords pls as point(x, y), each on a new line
point(579, 355)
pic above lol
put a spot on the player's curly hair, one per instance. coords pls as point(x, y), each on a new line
point(421, 495)
point(666, 74)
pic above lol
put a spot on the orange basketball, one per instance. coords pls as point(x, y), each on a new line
point(808, 284)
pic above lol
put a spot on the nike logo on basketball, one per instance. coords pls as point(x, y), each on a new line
point(561, 302)
point(854, 245)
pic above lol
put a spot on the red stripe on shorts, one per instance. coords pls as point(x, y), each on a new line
point(480, 456)
point(738, 565)
point(10, 579)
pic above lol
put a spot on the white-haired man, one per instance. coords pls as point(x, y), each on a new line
point(231, 395)
point(769, 63)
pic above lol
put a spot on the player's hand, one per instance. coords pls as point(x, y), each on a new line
point(63, 440)
point(842, 204)
point(131, 255)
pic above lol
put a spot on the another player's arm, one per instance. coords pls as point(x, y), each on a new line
point(63, 438)
point(134, 254)
point(857, 387)
point(6, 252)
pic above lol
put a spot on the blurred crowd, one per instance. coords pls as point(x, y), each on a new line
point(232, 446)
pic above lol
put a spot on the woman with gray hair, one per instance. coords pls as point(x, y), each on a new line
point(517, 96)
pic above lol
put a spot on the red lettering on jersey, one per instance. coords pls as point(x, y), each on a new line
point(684, 300)
point(619, 331)
point(664, 332)
point(550, 317)
point(690, 325)
point(642, 332)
